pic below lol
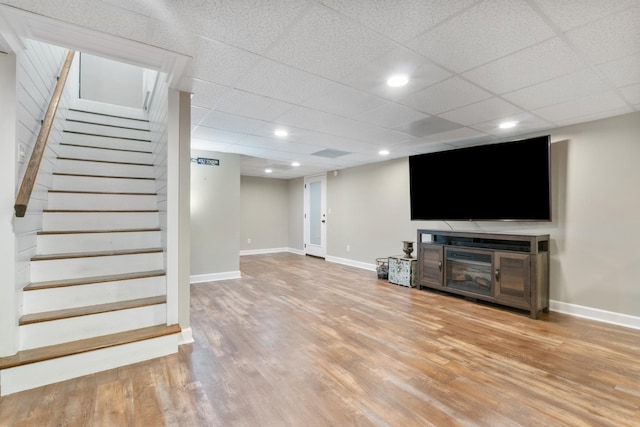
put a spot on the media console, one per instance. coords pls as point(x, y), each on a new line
point(506, 269)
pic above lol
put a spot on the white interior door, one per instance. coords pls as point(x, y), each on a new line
point(315, 215)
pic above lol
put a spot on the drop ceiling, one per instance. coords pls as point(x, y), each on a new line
point(319, 68)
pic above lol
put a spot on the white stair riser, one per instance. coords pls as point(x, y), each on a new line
point(97, 129)
point(107, 120)
point(106, 142)
point(82, 327)
point(103, 169)
point(84, 201)
point(51, 299)
point(50, 371)
point(96, 242)
point(90, 183)
point(75, 268)
point(90, 153)
point(65, 221)
point(104, 108)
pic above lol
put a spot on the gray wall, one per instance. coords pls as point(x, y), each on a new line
point(264, 207)
point(594, 232)
point(271, 214)
point(215, 215)
point(369, 208)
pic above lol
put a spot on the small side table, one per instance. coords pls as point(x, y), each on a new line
point(402, 271)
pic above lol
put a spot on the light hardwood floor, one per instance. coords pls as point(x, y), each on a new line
point(303, 342)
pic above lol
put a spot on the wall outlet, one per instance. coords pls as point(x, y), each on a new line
point(249, 241)
point(348, 248)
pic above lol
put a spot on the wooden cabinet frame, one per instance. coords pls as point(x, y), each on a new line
point(519, 266)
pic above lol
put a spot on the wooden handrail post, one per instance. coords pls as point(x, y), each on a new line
point(29, 179)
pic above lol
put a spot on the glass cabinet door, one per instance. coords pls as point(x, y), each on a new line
point(512, 275)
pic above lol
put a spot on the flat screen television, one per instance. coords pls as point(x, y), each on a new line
point(509, 181)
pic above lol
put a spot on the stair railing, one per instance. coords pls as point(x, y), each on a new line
point(29, 179)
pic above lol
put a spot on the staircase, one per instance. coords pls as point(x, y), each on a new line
point(97, 297)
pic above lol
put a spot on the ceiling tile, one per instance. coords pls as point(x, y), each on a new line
point(429, 126)
point(631, 93)
point(579, 84)
point(564, 13)
point(251, 105)
point(197, 114)
point(623, 71)
point(171, 37)
point(208, 66)
point(398, 20)
point(218, 135)
point(203, 144)
point(206, 95)
point(327, 44)
point(343, 100)
point(328, 123)
point(489, 109)
point(615, 36)
point(601, 103)
point(390, 115)
point(595, 116)
point(253, 25)
point(372, 77)
point(447, 95)
point(527, 123)
point(279, 81)
point(232, 122)
point(483, 33)
point(451, 136)
point(552, 58)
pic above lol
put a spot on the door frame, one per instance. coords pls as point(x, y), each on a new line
point(308, 248)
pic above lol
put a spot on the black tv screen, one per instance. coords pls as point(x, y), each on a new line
point(509, 181)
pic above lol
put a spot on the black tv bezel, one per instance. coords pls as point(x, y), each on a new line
point(546, 219)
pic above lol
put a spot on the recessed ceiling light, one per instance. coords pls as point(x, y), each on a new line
point(280, 132)
point(383, 152)
point(268, 171)
point(295, 164)
point(508, 125)
point(398, 80)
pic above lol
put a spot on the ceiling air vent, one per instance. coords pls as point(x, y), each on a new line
point(331, 154)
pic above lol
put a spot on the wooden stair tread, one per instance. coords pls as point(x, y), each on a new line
point(83, 175)
point(117, 230)
point(86, 122)
point(100, 211)
point(105, 161)
point(107, 115)
point(51, 257)
point(92, 309)
point(106, 136)
point(67, 144)
point(121, 193)
point(35, 355)
point(93, 279)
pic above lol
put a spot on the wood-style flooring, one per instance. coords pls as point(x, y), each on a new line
point(303, 342)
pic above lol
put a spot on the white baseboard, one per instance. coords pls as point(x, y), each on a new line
point(597, 314)
point(186, 336)
point(271, 251)
point(352, 263)
point(263, 251)
point(213, 277)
